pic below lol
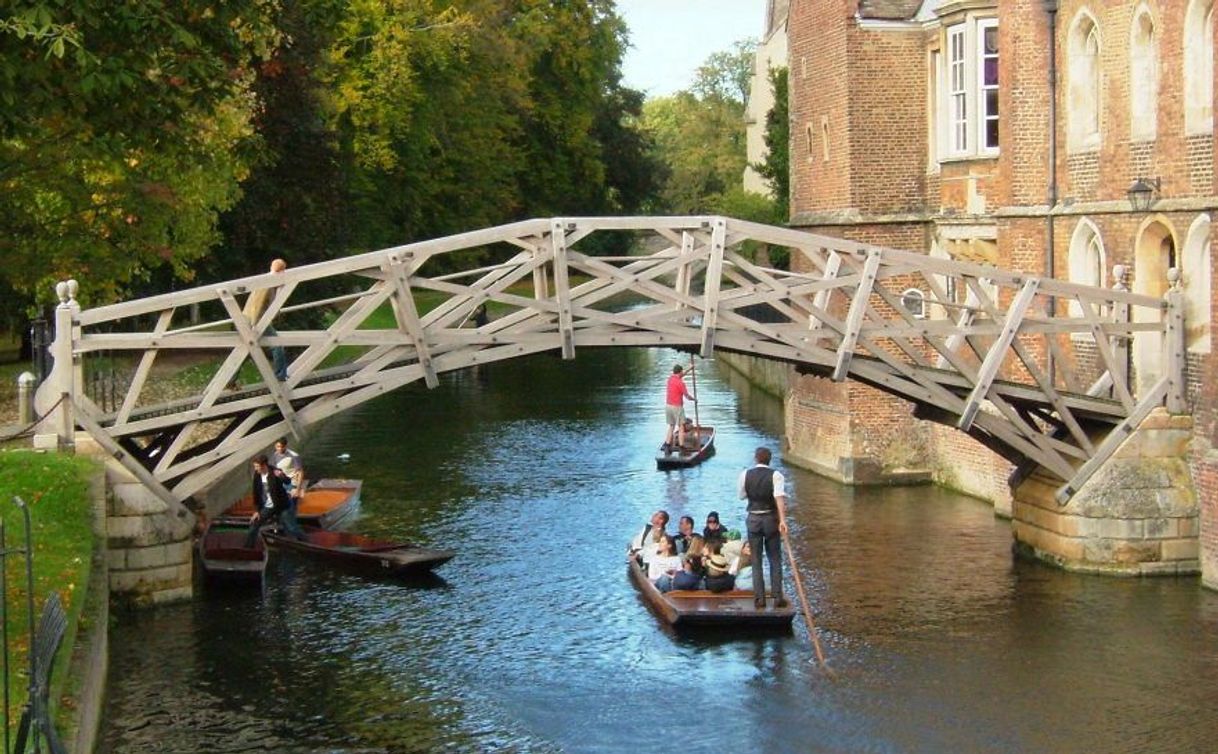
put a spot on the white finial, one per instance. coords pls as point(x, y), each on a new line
point(1118, 276)
point(1173, 277)
point(61, 290)
point(73, 286)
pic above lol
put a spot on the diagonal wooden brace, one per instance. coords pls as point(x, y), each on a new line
point(407, 315)
point(854, 321)
point(998, 352)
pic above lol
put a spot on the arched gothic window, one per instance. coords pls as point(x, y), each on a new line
point(1195, 279)
point(1199, 67)
point(914, 302)
point(1083, 106)
point(1143, 77)
point(1086, 260)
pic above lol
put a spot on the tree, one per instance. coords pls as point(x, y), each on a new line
point(699, 134)
point(134, 129)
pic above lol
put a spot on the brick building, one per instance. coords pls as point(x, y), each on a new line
point(957, 128)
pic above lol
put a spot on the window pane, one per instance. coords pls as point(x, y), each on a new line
point(991, 134)
point(990, 72)
point(991, 40)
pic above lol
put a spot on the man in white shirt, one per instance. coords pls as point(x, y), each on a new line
point(646, 543)
point(765, 489)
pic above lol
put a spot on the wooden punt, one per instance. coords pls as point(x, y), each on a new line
point(325, 504)
point(685, 457)
point(224, 556)
point(702, 609)
point(371, 556)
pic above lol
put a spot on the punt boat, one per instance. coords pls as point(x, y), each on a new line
point(224, 556)
point(325, 504)
point(680, 458)
point(704, 609)
point(370, 556)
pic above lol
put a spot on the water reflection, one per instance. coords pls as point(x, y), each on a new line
point(533, 640)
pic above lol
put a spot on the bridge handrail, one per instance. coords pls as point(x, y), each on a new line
point(784, 236)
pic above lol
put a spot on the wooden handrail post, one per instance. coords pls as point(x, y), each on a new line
point(1174, 345)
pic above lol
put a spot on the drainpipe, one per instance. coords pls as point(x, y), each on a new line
point(1050, 7)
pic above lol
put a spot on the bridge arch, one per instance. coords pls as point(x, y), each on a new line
point(975, 359)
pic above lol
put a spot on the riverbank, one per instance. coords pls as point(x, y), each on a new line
point(63, 493)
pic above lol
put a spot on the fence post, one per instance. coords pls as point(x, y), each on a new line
point(26, 382)
point(1173, 344)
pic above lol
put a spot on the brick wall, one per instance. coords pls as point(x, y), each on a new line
point(864, 92)
point(819, 104)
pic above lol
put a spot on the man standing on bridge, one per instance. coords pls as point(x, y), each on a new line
point(255, 305)
point(765, 489)
point(674, 408)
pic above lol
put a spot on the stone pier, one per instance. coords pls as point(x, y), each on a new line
point(1138, 515)
point(149, 543)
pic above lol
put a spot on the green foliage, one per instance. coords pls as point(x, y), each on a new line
point(699, 134)
point(134, 127)
point(726, 74)
point(747, 205)
point(161, 142)
point(389, 122)
point(776, 167)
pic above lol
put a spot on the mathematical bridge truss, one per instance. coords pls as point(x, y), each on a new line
point(1036, 368)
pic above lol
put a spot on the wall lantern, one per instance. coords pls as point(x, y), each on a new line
point(1143, 193)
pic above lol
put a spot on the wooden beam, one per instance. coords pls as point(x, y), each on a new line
point(406, 313)
point(1175, 357)
point(129, 462)
point(854, 320)
point(998, 352)
point(821, 301)
point(1153, 398)
point(144, 368)
point(562, 288)
point(273, 385)
point(710, 288)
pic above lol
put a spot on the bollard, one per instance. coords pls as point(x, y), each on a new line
point(26, 382)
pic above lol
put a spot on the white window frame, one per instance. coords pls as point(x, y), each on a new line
point(983, 114)
point(962, 89)
point(957, 90)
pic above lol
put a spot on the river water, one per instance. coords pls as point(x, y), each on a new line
point(533, 639)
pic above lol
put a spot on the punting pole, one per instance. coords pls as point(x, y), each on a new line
point(803, 600)
point(693, 376)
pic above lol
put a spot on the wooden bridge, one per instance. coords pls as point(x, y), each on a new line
point(1037, 369)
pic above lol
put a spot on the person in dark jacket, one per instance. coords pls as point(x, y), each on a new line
point(271, 502)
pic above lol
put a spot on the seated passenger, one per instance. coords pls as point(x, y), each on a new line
point(690, 576)
point(643, 545)
point(742, 568)
point(685, 534)
point(692, 442)
point(717, 577)
point(713, 530)
point(665, 564)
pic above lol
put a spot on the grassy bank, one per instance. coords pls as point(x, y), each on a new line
point(56, 487)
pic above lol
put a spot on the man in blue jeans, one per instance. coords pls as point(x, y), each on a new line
point(765, 489)
point(271, 501)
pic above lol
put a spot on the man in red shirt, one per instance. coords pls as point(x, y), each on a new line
point(674, 408)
